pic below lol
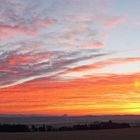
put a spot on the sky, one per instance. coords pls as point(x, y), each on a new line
point(74, 57)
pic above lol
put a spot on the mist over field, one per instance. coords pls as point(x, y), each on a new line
point(66, 120)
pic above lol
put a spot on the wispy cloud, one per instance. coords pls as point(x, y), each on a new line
point(113, 22)
point(43, 39)
point(17, 67)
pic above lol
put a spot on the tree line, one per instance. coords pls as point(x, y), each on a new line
point(34, 128)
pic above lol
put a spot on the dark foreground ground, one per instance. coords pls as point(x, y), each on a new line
point(112, 134)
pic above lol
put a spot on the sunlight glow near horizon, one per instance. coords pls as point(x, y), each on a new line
point(137, 83)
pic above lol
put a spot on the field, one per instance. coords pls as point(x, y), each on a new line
point(112, 134)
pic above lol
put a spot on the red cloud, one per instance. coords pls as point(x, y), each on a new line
point(27, 59)
point(12, 32)
point(8, 32)
point(97, 44)
point(102, 0)
point(99, 65)
point(113, 22)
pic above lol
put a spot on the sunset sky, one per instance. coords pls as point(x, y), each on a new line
point(75, 57)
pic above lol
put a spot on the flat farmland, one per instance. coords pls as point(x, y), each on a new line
point(111, 134)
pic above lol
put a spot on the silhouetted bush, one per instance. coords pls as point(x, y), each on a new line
point(14, 128)
point(33, 128)
point(95, 126)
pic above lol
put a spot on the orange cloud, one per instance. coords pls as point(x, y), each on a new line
point(94, 95)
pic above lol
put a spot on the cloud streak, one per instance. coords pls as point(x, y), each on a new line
point(113, 22)
point(103, 96)
point(47, 43)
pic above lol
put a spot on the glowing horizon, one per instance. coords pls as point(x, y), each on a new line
point(70, 57)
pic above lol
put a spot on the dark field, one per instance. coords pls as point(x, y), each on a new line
point(112, 134)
